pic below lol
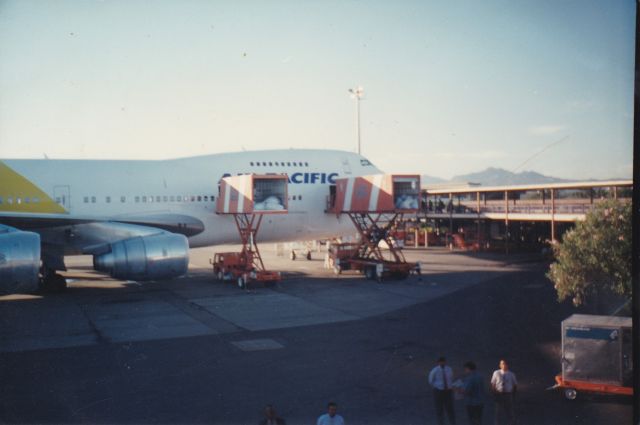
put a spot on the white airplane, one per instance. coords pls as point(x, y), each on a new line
point(139, 218)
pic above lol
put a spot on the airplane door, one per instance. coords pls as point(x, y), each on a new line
point(62, 196)
point(346, 167)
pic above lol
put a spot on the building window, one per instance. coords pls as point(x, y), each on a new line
point(199, 198)
point(108, 199)
point(137, 199)
point(93, 199)
point(165, 198)
point(123, 199)
point(18, 200)
point(172, 198)
point(206, 198)
point(264, 164)
point(299, 197)
point(144, 199)
point(193, 198)
point(257, 164)
point(251, 163)
point(277, 164)
point(179, 198)
point(85, 199)
point(306, 164)
point(158, 198)
point(9, 200)
point(213, 198)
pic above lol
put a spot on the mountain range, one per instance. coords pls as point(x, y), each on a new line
point(496, 177)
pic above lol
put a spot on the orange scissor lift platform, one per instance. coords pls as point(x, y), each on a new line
point(375, 204)
point(248, 198)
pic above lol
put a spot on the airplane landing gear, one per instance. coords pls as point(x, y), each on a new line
point(53, 282)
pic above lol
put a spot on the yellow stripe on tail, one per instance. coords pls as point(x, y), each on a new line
point(17, 194)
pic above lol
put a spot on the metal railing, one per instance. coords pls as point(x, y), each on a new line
point(562, 206)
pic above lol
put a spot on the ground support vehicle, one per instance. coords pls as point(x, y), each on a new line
point(247, 198)
point(244, 267)
point(596, 356)
point(375, 204)
point(369, 258)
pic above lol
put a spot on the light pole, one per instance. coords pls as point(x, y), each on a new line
point(357, 95)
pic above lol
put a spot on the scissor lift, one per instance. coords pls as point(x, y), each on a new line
point(247, 198)
point(375, 204)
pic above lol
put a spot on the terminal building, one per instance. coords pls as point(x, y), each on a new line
point(505, 218)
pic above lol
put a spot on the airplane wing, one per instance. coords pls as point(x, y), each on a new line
point(175, 223)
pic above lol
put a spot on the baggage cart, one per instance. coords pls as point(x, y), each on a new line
point(596, 356)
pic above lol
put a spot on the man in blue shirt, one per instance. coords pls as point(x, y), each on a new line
point(473, 393)
point(331, 417)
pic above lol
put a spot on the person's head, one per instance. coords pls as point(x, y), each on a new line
point(504, 366)
point(442, 361)
point(332, 408)
point(469, 367)
point(269, 411)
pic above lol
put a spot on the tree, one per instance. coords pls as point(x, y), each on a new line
point(594, 257)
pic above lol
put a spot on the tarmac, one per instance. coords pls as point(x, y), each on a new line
point(97, 309)
point(195, 350)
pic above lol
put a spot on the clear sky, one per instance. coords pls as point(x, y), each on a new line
point(450, 86)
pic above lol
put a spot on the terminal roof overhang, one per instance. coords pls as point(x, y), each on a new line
point(526, 187)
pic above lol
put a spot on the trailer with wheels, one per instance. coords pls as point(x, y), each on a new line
point(248, 198)
point(375, 204)
point(596, 356)
point(339, 255)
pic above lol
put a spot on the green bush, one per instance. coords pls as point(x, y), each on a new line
point(595, 257)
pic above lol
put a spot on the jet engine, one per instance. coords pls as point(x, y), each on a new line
point(160, 256)
point(19, 261)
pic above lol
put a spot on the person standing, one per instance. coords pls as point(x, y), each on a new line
point(473, 393)
point(331, 417)
point(271, 417)
point(504, 386)
point(441, 379)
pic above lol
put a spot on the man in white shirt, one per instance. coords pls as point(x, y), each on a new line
point(504, 386)
point(441, 379)
point(331, 417)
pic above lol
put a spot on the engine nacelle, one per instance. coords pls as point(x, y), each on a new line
point(161, 256)
point(19, 261)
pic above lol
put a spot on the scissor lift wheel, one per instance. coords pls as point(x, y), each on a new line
point(570, 393)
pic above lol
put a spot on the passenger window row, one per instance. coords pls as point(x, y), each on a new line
point(156, 199)
point(19, 200)
point(278, 164)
